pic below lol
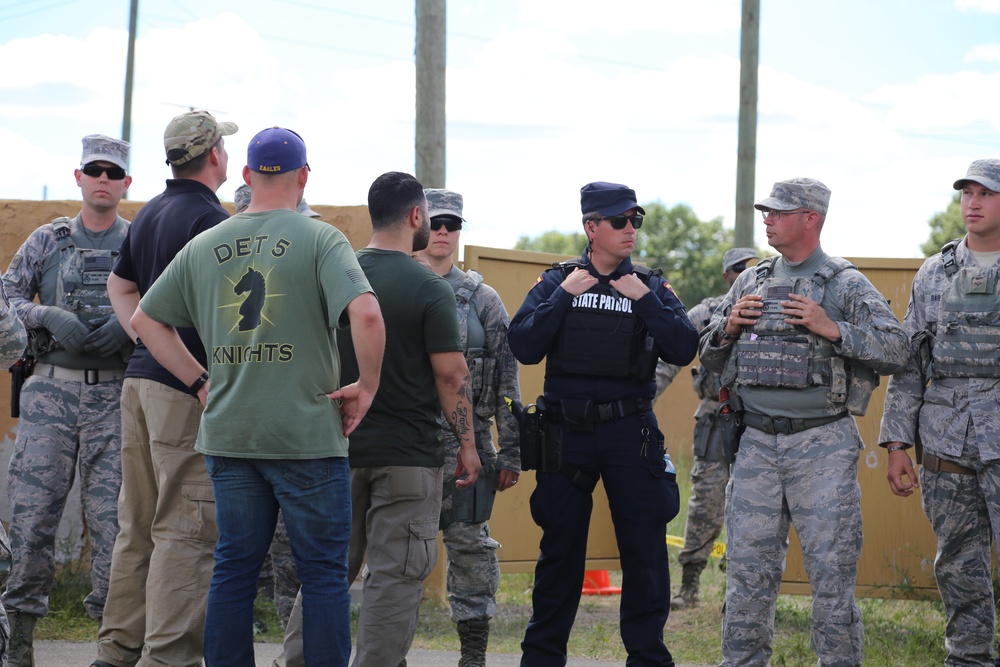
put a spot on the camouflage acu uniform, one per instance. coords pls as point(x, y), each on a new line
point(473, 569)
point(805, 474)
point(66, 426)
point(957, 419)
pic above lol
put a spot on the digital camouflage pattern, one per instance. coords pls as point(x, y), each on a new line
point(797, 193)
point(99, 148)
point(443, 202)
point(957, 419)
point(284, 576)
point(66, 428)
point(985, 172)
point(807, 478)
point(190, 134)
point(13, 340)
point(473, 569)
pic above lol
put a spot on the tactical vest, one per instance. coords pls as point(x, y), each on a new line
point(706, 383)
point(967, 336)
point(600, 336)
point(773, 353)
point(82, 285)
point(482, 370)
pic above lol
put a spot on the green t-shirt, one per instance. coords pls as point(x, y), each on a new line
point(418, 307)
point(265, 292)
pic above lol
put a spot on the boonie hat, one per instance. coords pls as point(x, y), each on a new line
point(797, 193)
point(984, 172)
point(100, 147)
point(276, 150)
point(737, 255)
point(444, 202)
point(192, 133)
point(608, 198)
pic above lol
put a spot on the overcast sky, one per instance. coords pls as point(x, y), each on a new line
point(885, 101)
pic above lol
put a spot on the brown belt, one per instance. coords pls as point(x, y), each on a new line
point(935, 464)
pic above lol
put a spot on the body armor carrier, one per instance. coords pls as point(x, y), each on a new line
point(789, 356)
point(82, 282)
point(482, 370)
point(967, 336)
point(601, 336)
point(706, 383)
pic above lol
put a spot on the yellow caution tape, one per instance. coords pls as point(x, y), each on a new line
point(718, 550)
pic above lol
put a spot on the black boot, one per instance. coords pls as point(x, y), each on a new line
point(22, 630)
point(687, 596)
point(474, 636)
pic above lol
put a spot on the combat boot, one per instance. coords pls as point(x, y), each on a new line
point(687, 596)
point(474, 636)
point(22, 630)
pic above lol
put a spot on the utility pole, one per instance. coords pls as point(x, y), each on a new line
point(746, 152)
point(133, 19)
point(430, 68)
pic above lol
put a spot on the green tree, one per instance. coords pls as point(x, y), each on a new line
point(945, 226)
point(688, 250)
point(559, 242)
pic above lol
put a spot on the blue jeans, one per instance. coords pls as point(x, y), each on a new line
point(315, 497)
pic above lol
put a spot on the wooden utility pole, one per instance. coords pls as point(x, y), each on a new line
point(133, 20)
point(746, 156)
point(431, 59)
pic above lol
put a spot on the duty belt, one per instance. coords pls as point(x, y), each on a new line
point(935, 464)
point(89, 375)
point(605, 412)
point(786, 425)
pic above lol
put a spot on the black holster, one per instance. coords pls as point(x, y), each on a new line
point(731, 426)
point(19, 372)
point(541, 440)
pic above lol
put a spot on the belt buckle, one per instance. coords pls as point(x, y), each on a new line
point(605, 411)
point(782, 425)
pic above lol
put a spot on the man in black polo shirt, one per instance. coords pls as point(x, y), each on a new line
point(163, 558)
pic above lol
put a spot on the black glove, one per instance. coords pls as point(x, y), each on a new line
point(106, 339)
point(66, 328)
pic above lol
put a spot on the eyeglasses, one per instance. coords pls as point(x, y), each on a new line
point(95, 171)
point(619, 221)
point(767, 213)
point(738, 268)
point(449, 223)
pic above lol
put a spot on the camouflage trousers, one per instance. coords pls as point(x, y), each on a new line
point(65, 427)
point(283, 572)
point(473, 569)
point(809, 480)
point(964, 510)
point(706, 510)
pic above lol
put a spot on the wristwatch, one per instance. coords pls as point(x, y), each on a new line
point(196, 386)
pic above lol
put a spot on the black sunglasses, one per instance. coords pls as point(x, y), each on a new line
point(619, 221)
point(450, 223)
point(738, 268)
point(95, 171)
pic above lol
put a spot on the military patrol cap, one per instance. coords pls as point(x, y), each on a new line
point(797, 193)
point(984, 172)
point(190, 134)
point(276, 150)
point(444, 202)
point(242, 198)
point(737, 255)
point(304, 209)
point(99, 147)
point(608, 198)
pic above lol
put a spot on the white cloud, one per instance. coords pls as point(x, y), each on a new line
point(988, 6)
point(634, 16)
point(989, 53)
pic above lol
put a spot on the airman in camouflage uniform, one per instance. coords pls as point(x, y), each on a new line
point(473, 569)
point(801, 339)
point(710, 472)
point(70, 406)
point(947, 397)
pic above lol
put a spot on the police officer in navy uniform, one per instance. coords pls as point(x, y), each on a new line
point(602, 323)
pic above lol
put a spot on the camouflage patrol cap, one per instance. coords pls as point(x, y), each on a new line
point(985, 172)
point(190, 134)
point(737, 255)
point(242, 198)
point(97, 147)
point(444, 202)
point(797, 193)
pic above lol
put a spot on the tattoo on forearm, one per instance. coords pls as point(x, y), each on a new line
point(461, 418)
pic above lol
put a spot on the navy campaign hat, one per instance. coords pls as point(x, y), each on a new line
point(608, 198)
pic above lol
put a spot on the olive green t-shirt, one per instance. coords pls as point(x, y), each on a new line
point(265, 291)
point(418, 306)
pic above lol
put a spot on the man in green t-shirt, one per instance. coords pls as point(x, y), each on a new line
point(266, 291)
point(397, 453)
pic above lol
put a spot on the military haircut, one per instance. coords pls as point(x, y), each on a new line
point(195, 164)
point(392, 196)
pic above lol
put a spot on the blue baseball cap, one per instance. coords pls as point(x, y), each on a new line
point(276, 150)
point(608, 198)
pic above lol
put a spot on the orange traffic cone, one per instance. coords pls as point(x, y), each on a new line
point(597, 582)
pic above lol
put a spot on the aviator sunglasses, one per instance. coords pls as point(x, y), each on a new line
point(619, 221)
point(95, 171)
point(449, 223)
